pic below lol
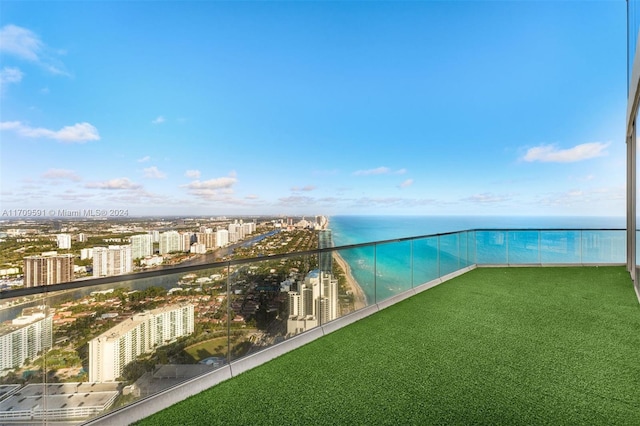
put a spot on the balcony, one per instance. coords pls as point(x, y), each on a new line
point(492, 344)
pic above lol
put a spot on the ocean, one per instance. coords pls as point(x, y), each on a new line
point(387, 270)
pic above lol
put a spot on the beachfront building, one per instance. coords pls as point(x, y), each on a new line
point(143, 333)
point(25, 337)
point(315, 302)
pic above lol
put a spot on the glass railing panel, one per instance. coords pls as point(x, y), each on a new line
point(361, 262)
point(113, 343)
point(449, 253)
point(348, 268)
point(425, 260)
point(560, 247)
point(524, 247)
point(271, 300)
point(491, 247)
point(603, 246)
point(472, 247)
point(27, 335)
point(463, 239)
point(393, 269)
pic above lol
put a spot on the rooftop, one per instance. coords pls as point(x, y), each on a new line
point(552, 345)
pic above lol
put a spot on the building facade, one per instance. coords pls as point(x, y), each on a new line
point(315, 302)
point(141, 246)
point(143, 333)
point(49, 268)
point(26, 337)
point(112, 260)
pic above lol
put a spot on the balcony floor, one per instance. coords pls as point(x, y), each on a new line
point(493, 346)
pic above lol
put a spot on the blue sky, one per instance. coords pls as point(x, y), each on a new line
point(210, 108)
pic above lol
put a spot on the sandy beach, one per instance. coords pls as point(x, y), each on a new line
point(360, 299)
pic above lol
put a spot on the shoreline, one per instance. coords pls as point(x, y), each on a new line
point(360, 299)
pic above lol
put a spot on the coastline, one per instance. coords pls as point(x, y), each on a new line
point(360, 299)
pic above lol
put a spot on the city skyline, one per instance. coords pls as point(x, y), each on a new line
point(489, 108)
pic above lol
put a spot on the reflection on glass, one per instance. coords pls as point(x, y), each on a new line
point(560, 247)
point(449, 253)
point(393, 269)
point(524, 247)
point(425, 260)
point(491, 247)
point(603, 246)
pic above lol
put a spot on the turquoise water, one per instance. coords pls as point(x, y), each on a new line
point(387, 269)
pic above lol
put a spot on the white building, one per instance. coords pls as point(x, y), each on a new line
point(26, 337)
point(169, 242)
point(315, 302)
point(141, 246)
point(198, 248)
point(112, 260)
point(222, 237)
point(155, 236)
point(86, 253)
point(64, 241)
point(143, 333)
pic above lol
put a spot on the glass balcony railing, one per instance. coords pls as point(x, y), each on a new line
point(74, 351)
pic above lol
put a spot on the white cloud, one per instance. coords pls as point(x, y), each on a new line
point(117, 183)
point(552, 154)
point(486, 198)
point(304, 188)
point(10, 75)
point(217, 189)
point(79, 132)
point(213, 184)
point(193, 174)
point(407, 183)
point(379, 171)
point(159, 120)
point(60, 174)
point(252, 197)
point(25, 44)
point(144, 159)
point(153, 173)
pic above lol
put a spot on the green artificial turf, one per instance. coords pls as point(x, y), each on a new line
point(494, 346)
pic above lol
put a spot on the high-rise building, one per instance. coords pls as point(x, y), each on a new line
point(82, 237)
point(64, 241)
point(86, 253)
point(112, 260)
point(118, 346)
point(206, 238)
point(222, 237)
point(186, 239)
point(155, 236)
point(141, 246)
point(26, 337)
point(315, 302)
point(169, 242)
point(50, 268)
point(234, 232)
